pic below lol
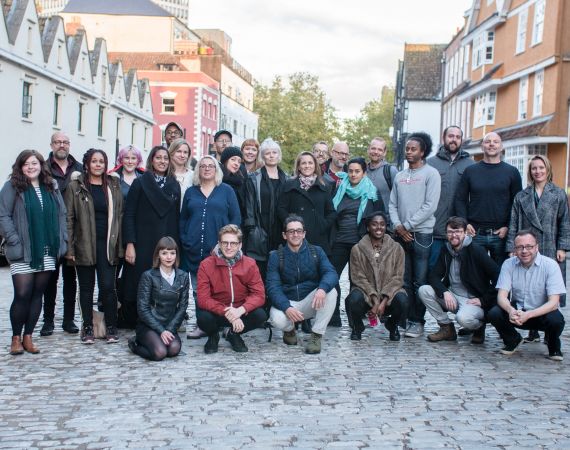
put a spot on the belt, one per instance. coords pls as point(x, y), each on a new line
point(486, 231)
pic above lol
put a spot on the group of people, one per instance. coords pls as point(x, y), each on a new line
point(256, 245)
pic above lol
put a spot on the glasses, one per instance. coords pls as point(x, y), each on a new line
point(60, 142)
point(296, 231)
point(528, 248)
point(207, 166)
point(341, 154)
point(173, 133)
point(224, 141)
point(231, 244)
point(454, 232)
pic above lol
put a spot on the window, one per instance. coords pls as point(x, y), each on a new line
point(485, 109)
point(80, 111)
point(235, 127)
point(489, 45)
point(56, 108)
point(100, 121)
point(538, 89)
point(523, 98)
point(538, 25)
point(519, 155)
point(483, 45)
point(168, 105)
point(27, 100)
point(521, 32)
point(132, 132)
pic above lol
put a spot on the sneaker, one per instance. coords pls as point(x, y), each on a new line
point(112, 335)
point(290, 337)
point(212, 344)
point(556, 355)
point(414, 330)
point(509, 349)
point(237, 343)
point(392, 329)
point(47, 329)
point(446, 332)
point(87, 336)
point(196, 333)
point(533, 336)
point(313, 344)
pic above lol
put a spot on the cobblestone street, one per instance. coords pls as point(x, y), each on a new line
point(368, 394)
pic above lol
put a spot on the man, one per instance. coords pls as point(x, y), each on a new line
point(230, 292)
point(321, 153)
point(413, 202)
point(300, 285)
point(462, 282)
point(61, 165)
point(222, 140)
point(377, 276)
point(337, 163)
point(379, 171)
point(450, 161)
point(485, 197)
point(171, 132)
point(535, 284)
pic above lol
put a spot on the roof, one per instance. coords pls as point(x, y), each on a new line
point(146, 61)
point(116, 7)
point(422, 71)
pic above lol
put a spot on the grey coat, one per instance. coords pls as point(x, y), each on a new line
point(450, 172)
point(14, 224)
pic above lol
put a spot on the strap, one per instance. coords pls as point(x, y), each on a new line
point(388, 175)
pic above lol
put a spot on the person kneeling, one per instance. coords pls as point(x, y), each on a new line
point(377, 276)
point(161, 304)
point(300, 285)
point(230, 292)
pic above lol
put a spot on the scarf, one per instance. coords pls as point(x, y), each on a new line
point(307, 182)
point(160, 180)
point(231, 261)
point(365, 190)
point(43, 225)
point(235, 180)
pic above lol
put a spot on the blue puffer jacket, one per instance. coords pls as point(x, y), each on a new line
point(302, 273)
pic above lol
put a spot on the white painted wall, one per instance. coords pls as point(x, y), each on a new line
point(424, 116)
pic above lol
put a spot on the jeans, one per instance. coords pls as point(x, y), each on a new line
point(69, 292)
point(415, 273)
point(494, 245)
point(210, 323)
point(356, 309)
point(471, 317)
point(438, 244)
point(552, 323)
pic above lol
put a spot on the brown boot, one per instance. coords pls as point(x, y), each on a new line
point(446, 332)
point(16, 347)
point(479, 335)
point(29, 345)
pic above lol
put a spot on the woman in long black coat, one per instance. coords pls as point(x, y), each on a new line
point(151, 212)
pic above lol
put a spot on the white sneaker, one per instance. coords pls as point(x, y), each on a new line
point(196, 333)
point(414, 330)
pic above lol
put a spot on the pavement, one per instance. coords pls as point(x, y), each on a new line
point(368, 394)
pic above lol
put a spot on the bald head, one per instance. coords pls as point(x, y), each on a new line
point(492, 146)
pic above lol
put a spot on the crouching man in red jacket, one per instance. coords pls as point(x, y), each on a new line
point(230, 292)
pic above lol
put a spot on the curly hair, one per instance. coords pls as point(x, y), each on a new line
point(424, 140)
point(20, 181)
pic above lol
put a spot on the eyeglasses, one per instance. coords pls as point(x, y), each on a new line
point(341, 154)
point(173, 133)
point(454, 232)
point(232, 244)
point(207, 166)
point(60, 142)
point(296, 231)
point(224, 141)
point(528, 248)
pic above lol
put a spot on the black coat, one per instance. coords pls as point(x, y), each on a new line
point(478, 273)
point(314, 206)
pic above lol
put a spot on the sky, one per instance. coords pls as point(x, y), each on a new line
point(352, 46)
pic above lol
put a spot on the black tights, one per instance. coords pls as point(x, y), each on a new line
point(27, 304)
point(150, 346)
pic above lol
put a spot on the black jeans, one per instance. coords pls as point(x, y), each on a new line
point(106, 279)
point(210, 323)
point(356, 308)
point(552, 323)
point(340, 256)
point(69, 292)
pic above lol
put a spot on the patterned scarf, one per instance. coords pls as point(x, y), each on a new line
point(217, 251)
point(307, 182)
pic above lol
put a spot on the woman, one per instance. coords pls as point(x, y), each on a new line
point(263, 189)
point(179, 152)
point(162, 301)
point(543, 208)
point(234, 174)
point(355, 198)
point(250, 151)
point(152, 210)
point(94, 204)
point(128, 167)
point(32, 222)
point(208, 205)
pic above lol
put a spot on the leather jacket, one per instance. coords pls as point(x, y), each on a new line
point(161, 306)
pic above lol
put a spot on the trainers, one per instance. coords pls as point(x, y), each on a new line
point(556, 355)
point(47, 329)
point(196, 333)
point(533, 336)
point(87, 336)
point(479, 335)
point(313, 344)
point(414, 330)
point(112, 335)
point(237, 343)
point(212, 344)
point(446, 332)
point(509, 349)
point(290, 337)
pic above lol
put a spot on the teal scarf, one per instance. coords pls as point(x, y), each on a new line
point(43, 225)
point(365, 190)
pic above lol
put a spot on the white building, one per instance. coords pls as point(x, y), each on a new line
point(51, 82)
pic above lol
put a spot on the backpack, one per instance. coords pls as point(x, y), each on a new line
point(387, 175)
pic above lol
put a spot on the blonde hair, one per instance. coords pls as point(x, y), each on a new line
point(547, 164)
point(219, 174)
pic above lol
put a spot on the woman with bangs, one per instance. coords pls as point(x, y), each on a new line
point(180, 154)
point(251, 159)
point(128, 167)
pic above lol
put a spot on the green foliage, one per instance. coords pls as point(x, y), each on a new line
point(295, 114)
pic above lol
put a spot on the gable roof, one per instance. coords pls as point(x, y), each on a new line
point(116, 7)
point(422, 71)
point(14, 13)
point(147, 61)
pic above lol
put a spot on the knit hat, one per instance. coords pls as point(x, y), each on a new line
point(229, 152)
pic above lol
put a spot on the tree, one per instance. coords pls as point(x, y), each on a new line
point(375, 119)
point(295, 114)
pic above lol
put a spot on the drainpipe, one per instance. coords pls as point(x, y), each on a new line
point(567, 149)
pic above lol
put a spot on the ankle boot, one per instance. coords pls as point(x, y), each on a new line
point(16, 347)
point(446, 332)
point(29, 345)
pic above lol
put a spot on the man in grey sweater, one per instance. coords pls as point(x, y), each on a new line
point(413, 202)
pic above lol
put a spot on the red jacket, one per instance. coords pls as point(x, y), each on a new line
point(215, 281)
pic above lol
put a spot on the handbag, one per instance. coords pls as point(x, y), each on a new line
point(256, 244)
point(99, 327)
